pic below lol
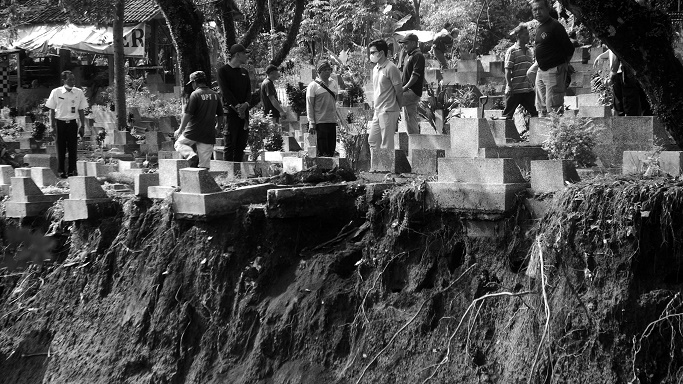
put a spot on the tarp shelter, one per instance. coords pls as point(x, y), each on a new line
point(84, 38)
point(422, 36)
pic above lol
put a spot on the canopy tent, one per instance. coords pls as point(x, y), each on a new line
point(84, 38)
point(422, 36)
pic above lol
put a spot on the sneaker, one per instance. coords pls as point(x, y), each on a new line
point(74, 173)
point(193, 161)
point(62, 175)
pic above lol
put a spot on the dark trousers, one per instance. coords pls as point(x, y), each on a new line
point(631, 93)
point(618, 93)
point(235, 138)
point(327, 138)
point(526, 100)
point(67, 140)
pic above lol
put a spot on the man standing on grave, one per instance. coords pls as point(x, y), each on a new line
point(443, 40)
point(271, 104)
point(197, 127)
point(388, 96)
point(413, 78)
point(66, 103)
point(553, 52)
point(321, 109)
point(235, 86)
point(518, 88)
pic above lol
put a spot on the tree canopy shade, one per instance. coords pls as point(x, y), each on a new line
point(642, 38)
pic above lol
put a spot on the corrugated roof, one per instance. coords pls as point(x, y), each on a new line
point(136, 11)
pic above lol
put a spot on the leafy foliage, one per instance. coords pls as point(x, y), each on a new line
point(137, 95)
point(297, 97)
point(261, 128)
point(572, 138)
point(352, 136)
point(445, 99)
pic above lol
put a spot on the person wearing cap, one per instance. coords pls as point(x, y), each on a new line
point(321, 109)
point(197, 127)
point(66, 103)
point(413, 78)
point(388, 96)
point(235, 86)
point(271, 104)
point(442, 41)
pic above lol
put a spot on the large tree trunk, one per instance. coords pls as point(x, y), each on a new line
point(291, 35)
point(187, 31)
point(226, 24)
point(119, 67)
point(642, 39)
point(256, 25)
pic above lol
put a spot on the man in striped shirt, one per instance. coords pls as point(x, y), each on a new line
point(518, 88)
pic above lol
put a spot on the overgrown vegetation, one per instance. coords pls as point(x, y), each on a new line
point(262, 131)
point(572, 138)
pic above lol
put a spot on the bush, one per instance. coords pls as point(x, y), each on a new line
point(352, 137)
point(572, 138)
point(261, 128)
point(297, 97)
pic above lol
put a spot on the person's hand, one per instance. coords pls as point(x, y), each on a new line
point(595, 63)
point(81, 132)
point(177, 133)
point(508, 90)
point(311, 129)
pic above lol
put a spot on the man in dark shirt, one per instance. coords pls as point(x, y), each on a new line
point(235, 86)
point(198, 124)
point(553, 52)
point(271, 104)
point(413, 78)
point(442, 41)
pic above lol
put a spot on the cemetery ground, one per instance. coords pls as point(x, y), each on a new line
point(462, 256)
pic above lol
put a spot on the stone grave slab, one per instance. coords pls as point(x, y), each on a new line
point(43, 176)
point(478, 170)
point(487, 198)
point(429, 142)
point(389, 160)
point(550, 175)
point(197, 180)
point(169, 171)
point(425, 161)
point(42, 160)
point(597, 111)
point(504, 131)
point(87, 200)
point(143, 181)
point(308, 201)
point(27, 200)
point(468, 135)
point(6, 174)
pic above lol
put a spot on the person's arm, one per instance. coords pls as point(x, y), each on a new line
point(276, 104)
point(395, 77)
point(53, 121)
point(81, 129)
point(183, 123)
point(601, 57)
point(509, 66)
point(310, 108)
point(567, 45)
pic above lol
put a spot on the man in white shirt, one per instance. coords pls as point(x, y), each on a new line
point(66, 103)
point(388, 96)
point(321, 109)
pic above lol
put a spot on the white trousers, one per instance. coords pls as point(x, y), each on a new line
point(184, 146)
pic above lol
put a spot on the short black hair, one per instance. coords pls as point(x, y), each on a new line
point(270, 68)
point(381, 45)
point(66, 74)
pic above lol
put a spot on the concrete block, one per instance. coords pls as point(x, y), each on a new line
point(486, 198)
point(85, 187)
point(308, 201)
point(169, 171)
point(42, 160)
point(197, 180)
point(168, 124)
point(289, 144)
point(310, 140)
point(155, 138)
point(666, 162)
point(468, 135)
point(504, 131)
point(75, 210)
point(6, 174)
point(589, 100)
point(22, 172)
point(160, 192)
point(27, 200)
point(429, 142)
point(473, 65)
point(572, 102)
point(539, 130)
point(478, 170)
point(599, 111)
point(432, 75)
point(471, 78)
point(200, 206)
point(401, 139)
point(123, 138)
point(278, 155)
point(449, 76)
point(312, 151)
point(389, 160)
point(292, 165)
point(97, 169)
point(143, 181)
point(497, 68)
point(233, 169)
point(328, 163)
point(425, 161)
point(43, 176)
point(551, 175)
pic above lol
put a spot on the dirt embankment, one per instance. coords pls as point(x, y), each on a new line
point(385, 293)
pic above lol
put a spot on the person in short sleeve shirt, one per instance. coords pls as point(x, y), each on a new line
point(388, 96)
point(67, 104)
